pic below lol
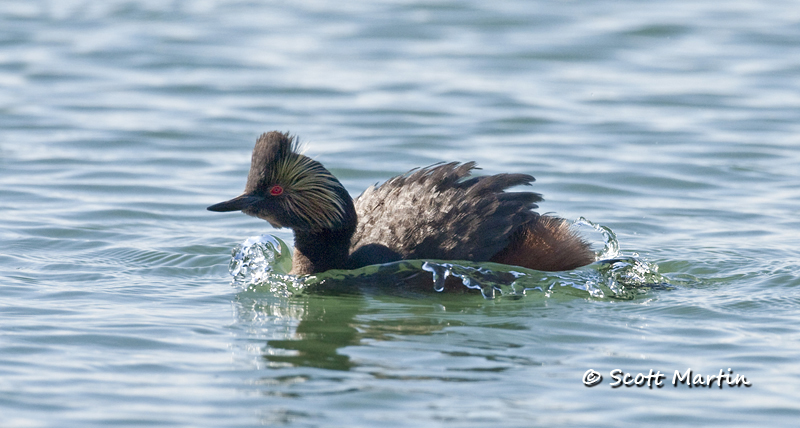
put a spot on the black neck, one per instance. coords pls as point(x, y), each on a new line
point(318, 251)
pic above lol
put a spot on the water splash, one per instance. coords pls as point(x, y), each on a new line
point(482, 278)
point(263, 263)
point(621, 278)
point(611, 244)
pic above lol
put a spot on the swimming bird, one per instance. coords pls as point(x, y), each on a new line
point(438, 212)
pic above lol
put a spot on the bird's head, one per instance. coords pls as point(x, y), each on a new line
point(288, 189)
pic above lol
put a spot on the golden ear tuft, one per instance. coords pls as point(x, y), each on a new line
point(313, 193)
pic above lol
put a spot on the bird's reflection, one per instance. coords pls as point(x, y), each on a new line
point(327, 325)
point(311, 329)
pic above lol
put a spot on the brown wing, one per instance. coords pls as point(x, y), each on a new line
point(439, 212)
point(549, 244)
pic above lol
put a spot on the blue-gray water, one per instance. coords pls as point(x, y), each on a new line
point(675, 124)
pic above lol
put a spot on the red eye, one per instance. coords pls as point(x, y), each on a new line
point(276, 190)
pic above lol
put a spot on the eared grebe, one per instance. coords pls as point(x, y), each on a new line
point(438, 212)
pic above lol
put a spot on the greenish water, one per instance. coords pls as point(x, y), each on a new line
point(675, 125)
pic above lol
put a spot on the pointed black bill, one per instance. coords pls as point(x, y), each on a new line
point(236, 204)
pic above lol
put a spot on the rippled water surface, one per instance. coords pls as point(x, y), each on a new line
point(675, 125)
